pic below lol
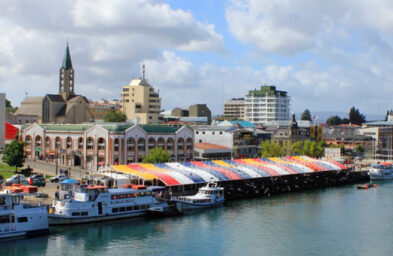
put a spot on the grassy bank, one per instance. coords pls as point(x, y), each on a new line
point(6, 171)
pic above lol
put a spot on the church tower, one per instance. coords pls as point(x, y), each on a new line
point(67, 82)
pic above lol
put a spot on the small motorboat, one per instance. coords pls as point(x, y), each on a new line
point(383, 171)
point(208, 196)
point(366, 186)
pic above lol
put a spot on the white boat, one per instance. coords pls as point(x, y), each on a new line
point(382, 171)
point(98, 203)
point(19, 219)
point(208, 196)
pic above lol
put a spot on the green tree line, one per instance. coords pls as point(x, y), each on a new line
point(307, 148)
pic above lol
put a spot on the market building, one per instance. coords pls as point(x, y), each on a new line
point(92, 145)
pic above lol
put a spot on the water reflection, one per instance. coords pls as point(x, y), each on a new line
point(332, 221)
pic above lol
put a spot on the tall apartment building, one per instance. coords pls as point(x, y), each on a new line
point(234, 108)
point(266, 105)
point(140, 101)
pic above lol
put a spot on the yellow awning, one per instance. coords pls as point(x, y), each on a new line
point(139, 173)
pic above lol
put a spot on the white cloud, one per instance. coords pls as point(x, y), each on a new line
point(108, 40)
point(288, 27)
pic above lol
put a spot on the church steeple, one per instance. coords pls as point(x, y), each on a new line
point(67, 64)
point(67, 86)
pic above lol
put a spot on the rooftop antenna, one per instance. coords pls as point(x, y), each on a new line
point(143, 71)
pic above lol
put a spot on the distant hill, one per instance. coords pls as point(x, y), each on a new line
point(321, 116)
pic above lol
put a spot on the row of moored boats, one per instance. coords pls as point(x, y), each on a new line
point(93, 203)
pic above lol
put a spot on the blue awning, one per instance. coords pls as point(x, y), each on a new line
point(70, 181)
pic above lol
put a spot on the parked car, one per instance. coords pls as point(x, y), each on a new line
point(16, 179)
point(58, 178)
point(37, 180)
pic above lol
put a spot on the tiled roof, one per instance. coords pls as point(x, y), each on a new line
point(116, 127)
point(244, 124)
point(156, 128)
point(66, 127)
point(55, 97)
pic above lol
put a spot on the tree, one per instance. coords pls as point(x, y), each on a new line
point(271, 149)
point(13, 154)
point(345, 120)
point(359, 148)
point(355, 117)
point(157, 155)
point(9, 107)
point(313, 149)
point(333, 120)
point(297, 148)
point(113, 116)
point(306, 115)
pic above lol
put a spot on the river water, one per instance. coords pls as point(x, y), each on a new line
point(332, 221)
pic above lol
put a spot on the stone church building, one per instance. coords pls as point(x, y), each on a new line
point(64, 107)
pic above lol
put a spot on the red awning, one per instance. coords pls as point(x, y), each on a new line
point(101, 163)
point(10, 131)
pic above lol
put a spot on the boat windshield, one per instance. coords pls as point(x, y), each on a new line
point(382, 166)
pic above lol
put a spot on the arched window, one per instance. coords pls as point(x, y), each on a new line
point(161, 143)
point(141, 144)
point(180, 144)
point(68, 143)
point(57, 143)
point(189, 144)
point(80, 143)
point(90, 143)
point(37, 144)
point(169, 144)
point(131, 145)
point(47, 142)
point(116, 145)
point(101, 143)
point(28, 140)
point(152, 143)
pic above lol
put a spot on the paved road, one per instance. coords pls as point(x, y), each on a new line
point(49, 168)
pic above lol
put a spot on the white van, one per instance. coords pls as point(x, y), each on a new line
point(16, 179)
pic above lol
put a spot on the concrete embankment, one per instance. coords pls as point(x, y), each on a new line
point(267, 186)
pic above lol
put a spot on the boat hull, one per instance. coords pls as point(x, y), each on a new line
point(381, 177)
point(22, 234)
point(185, 206)
point(55, 219)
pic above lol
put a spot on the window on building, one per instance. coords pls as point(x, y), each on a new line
point(131, 144)
point(69, 143)
point(80, 143)
point(90, 143)
point(101, 144)
point(116, 145)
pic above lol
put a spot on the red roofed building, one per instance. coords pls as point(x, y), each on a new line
point(209, 151)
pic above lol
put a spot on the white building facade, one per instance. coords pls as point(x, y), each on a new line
point(94, 145)
point(266, 105)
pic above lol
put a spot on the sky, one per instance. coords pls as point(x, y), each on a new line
point(328, 55)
